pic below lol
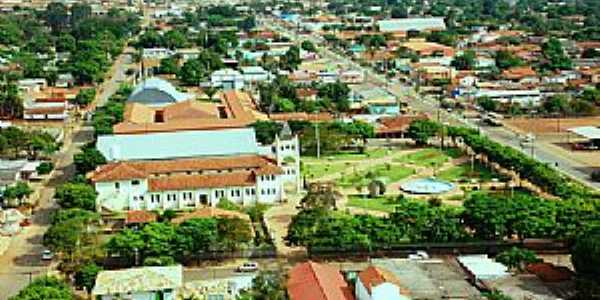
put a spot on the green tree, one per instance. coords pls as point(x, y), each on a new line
point(517, 258)
point(233, 233)
point(267, 285)
point(196, 235)
point(57, 16)
point(88, 160)
point(487, 103)
point(466, 61)
point(76, 195)
point(291, 59)
point(168, 66)
point(174, 39)
point(422, 130)
point(75, 237)
point(400, 11)
point(17, 193)
point(308, 46)
point(44, 288)
point(193, 72)
point(85, 277)
point(79, 12)
point(558, 103)
point(585, 257)
point(127, 243)
point(506, 60)
point(266, 131)
point(555, 55)
point(85, 97)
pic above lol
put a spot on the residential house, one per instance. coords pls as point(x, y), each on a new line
point(307, 94)
point(525, 98)
point(351, 77)
point(157, 92)
point(217, 289)
point(590, 74)
point(157, 53)
point(395, 127)
point(523, 75)
point(376, 283)
point(411, 24)
point(313, 281)
point(10, 221)
point(255, 75)
point(427, 49)
point(187, 54)
point(52, 107)
point(32, 85)
point(227, 79)
point(65, 80)
point(144, 283)
point(429, 74)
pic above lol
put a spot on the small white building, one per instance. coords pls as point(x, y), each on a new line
point(228, 79)
point(524, 98)
point(157, 53)
point(256, 74)
point(32, 85)
point(49, 108)
point(145, 283)
point(375, 283)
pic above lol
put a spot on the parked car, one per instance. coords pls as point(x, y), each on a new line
point(47, 255)
point(248, 267)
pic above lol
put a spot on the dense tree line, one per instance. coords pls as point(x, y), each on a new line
point(19, 143)
point(45, 288)
point(281, 96)
point(164, 242)
point(483, 218)
point(90, 40)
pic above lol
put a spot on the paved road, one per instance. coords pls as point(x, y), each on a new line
point(428, 104)
point(22, 261)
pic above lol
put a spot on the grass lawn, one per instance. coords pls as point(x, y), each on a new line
point(370, 153)
point(463, 172)
point(392, 172)
point(385, 204)
point(314, 170)
point(430, 156)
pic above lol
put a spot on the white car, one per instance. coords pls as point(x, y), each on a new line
point(248, 267)
point(47, 255)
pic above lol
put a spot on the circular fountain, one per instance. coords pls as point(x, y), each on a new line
point(427, 186)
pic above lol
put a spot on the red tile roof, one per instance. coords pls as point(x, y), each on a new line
point(373, 276)
point(519, 72)
point(191, 182)
point(140, 216)
point(397, 124)
point(127, 170)
point(312, 281)
point(550, 273)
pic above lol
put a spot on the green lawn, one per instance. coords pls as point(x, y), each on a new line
point(385, 204)
point(315, 170)
point(463, 173)
point(346, 155)
point(429, 157)
point(392, 172)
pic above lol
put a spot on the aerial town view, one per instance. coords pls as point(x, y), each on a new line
point(299, 149)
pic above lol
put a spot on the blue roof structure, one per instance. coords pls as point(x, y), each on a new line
point(157, 92)
point(179, 144)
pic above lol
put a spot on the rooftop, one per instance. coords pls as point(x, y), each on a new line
point(157, 91)
point(179, 144)
point(409, 24)
point(138, 280)
point(312, 281)
point(127, 170)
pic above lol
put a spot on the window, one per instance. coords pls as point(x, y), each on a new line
point(262, 191)
point(237, 193)
point(135, 182)
point(253, 191)
point(272, 177)
point(247, 192)
point(117, 185)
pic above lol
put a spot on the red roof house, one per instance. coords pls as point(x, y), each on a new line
point(312, 281)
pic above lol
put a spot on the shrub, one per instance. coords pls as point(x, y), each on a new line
point(45, 168)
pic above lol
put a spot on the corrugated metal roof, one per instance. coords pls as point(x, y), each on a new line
point(138, 280)
point(418, 24)
point(179, 144)
point(590, 132)
point(482, 267)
